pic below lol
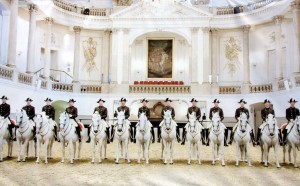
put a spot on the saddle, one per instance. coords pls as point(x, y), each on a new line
point(13, 122)
point(283, 126)
point(81, 126)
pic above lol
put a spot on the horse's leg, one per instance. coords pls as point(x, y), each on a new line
point(172, 151)
point(26, 145)
point(139, 150)
point(34, 146)
point(127, 150)
point(165, 151)
point(213, 153)
point(248, 153)
point(79, 150)
point(27, 150)
point(190, 152)
point(262, 152)
point(237, 146)
point(198, 151)
point(284, 151)
point(295, 155)
point(74, 150)
point(147, 150)
point(222, 152)
point(94, 149)
point(38, 151)
point(105, 147)
point(265, 154)
point(276, 155)
point(10, 147)
point(100, 150)
point(1, 149)
point(19, 149)
point(71, 149)
point(289, 153)
point(162, 150)
point(143, 149)
point(118, 149)
point(46, 150)
point(63, 150)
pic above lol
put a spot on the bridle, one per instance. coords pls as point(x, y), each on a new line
point(97, 127)
point(245, 132)
point(65, 131)
point(20, 124)
point(40, 131)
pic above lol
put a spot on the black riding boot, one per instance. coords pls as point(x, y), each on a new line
point(88, 134)
point(284, 137)
point(34, 133)
point(183, 136)
point(158, 134)
point(178, 134)
point(55, 134)
point(131, 133)
point(225, 138)
point(203, 136)
point(134, 134)
point(207, 136)
point(112, 134)
point(231, 137)
point(258, 136)
point(107, 135)
point(10, 130)
point(78, 133)
point(152, 133)
point(252, 138)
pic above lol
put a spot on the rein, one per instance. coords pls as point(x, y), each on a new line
point(43, 127)
point(96, 134)
point(68, 126)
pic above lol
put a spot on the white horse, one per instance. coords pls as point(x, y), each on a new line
point(45, 135)
point(5, 137)
point(242, 139)
point(293, 141)
point(122, 135)
point(143, 136)
point(168, 135)
point(193, 136)
point(269, 138)
point(24, 134)
point(98, 136)
point(67, 135)
point(216, 137)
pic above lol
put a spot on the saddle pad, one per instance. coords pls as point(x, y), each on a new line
point(80, 125)
point(12, 121)
point(283, 126)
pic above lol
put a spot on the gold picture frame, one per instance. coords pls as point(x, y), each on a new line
point(160, 58)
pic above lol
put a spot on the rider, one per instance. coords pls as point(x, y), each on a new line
point(73, 113)
point(30, 111)
point(125, 109)
point(4, 114)
point(166, 108)
point(214, 109)
point(50, 112)
point(190, 110)
point(264, 115)
point(291, 113)
point(103, 113)
point(146, 110)
point(238, 112)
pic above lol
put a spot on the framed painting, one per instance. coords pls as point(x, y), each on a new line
point(160, 58)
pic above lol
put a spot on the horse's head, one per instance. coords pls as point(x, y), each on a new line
point(63, 120)
point(216, 120)
point(39, 122)
point(192, 121)
point(142, 122)
point(96, 118)
point(243, 122)
point(271, 123)
point(21, 117)
point(120, 120)
point(168, 119)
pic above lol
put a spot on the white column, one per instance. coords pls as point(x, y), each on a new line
point(126, 50)
point(48, 22)
point(246, 54)
point(296, 21)
point(31, 39)
point(120, 49)
point(206, 55)
point(105, 61)
point(214, 57)
point(195, 56)
point(77, 30)
point(13, 30)
point(4, 37)
point(113, 56)
point(278, 43)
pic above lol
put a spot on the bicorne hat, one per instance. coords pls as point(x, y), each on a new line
point(100, 100)
point(28, 99)
point(216, 101)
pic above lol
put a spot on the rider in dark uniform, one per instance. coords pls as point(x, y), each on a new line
point(264, 115)
point(214, 109)
point(238, 112)
point(73, 113)
point(126, 109)
point(50, 112)
point(190, 110)
point(5, 112)
point(166, 108)
point(291, 113)
point(102, 110)
point(146, 110)
point(30, 111)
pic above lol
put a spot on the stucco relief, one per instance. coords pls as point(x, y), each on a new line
point(232, 51)
point(90, 53)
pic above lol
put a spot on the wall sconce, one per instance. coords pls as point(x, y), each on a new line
point(210, 79)
point(254, 64)
point(19, 53)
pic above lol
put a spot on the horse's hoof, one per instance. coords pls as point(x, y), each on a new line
point(71, 162)
point(18, 161)
point(265, 165)
point(116, 162)
point(223, 165)
point(1, 160)
point(189, 163)
point(139, 162)
point(92, 162)
point(165, 163)
point(129, 162)
point(46, 162)
point(23, 160)
point(100, 162)
point(62, 162)
point(105, 158)
point(171, 163)
point(37, 162)
point(9, 157)
point(212, 163)
point(236, 165)
point(296, 166)
point(278, 167)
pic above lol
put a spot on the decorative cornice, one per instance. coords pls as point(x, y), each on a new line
point(126, 30)
point(278, 19)
point(246, 28)
point(49, 20)
point(206, 30)
point(295, 5)
point(32, 8)
point(194, 29)
point(77, 29)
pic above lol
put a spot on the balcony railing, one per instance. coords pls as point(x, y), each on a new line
point(297, 80)
point(90, 89)
point(56, 75)
point(261, 88)
point(182, 89)
point(230, 90)
point(62, 87)
point(25, 78)
point(6, 72)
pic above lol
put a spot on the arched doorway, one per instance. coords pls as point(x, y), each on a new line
point(59, 106)
point(255, 112)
